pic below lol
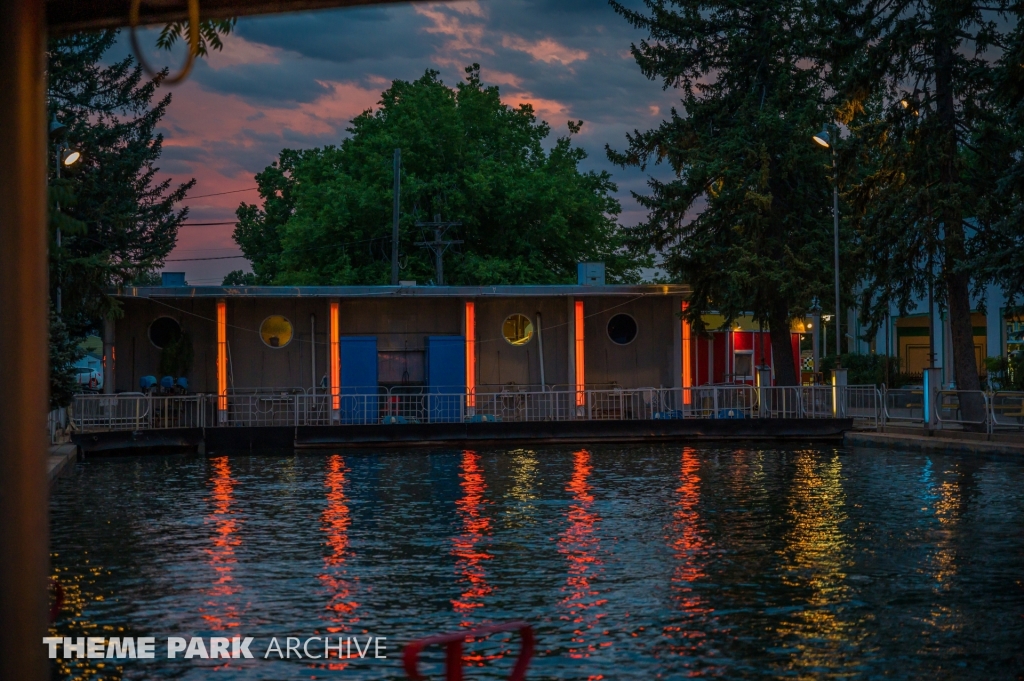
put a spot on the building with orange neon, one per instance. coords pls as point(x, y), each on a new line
point(342, 341)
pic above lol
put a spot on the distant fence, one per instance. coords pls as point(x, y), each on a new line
point(870, 406)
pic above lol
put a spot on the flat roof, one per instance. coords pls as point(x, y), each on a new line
point(401, 291)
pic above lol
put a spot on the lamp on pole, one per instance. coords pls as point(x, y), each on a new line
point(815, 331)
point(65, 156)
point(824, 139)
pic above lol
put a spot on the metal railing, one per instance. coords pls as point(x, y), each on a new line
point(298, 407)
point(1006, 410)
point(903, 405)
point(864, 403)
point(961, 408)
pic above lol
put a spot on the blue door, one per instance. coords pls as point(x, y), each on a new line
point(446, 377)
point(359, 379)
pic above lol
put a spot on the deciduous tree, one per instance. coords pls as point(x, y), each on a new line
point(528, 213)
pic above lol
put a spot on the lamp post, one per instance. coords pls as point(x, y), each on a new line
point(815, 330)
point(65, 156)
point(823, 139)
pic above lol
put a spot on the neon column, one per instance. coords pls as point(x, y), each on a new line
point(687, 375)
point(222, 361)
point(470, 354)
point(581, 382)
point(335, 364)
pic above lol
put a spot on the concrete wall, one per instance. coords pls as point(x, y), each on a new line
point(649, 360)
point(500, 363)
point(135, 356)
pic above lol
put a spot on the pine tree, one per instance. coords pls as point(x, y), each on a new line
point(921, 102)
point(747, 219)
point(117, 222)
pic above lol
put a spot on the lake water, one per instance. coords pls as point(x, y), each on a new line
point(630, 562)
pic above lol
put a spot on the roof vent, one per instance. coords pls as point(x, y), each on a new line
point(173, 279)
point(590, 273)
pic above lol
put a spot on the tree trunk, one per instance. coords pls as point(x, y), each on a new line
point(958, 298)
point(782, 348)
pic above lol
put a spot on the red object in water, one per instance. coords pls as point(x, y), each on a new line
point(453, 651)
point(58, 600)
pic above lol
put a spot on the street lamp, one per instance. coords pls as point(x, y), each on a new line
point(66, 157)
point(823, 139)
point(815, 330)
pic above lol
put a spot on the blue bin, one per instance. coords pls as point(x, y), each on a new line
point(182, 383)
point(167, 382)
point(147, 382)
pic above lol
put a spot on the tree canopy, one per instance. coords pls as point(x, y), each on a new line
point(923, 104)
point(117, 222)
point(528, 213)
point(746, 221)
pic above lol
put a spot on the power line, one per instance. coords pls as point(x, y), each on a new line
point(233, 191)
point(208, 224)
point(220, 257)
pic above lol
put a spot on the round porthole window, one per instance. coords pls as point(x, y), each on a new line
point(164, 331)
point(276, 331)
point(517, 329)
point(622, 329)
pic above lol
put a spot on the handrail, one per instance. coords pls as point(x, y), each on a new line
point(941, 406)
point(1007, 398)
point(401, 404)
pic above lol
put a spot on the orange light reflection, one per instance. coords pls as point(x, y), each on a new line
point(580, 546)
point(691, 546)
point(469, 556)
point(335, 522)
point(220, 612)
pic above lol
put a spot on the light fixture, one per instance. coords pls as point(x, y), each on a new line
point(69, 157)
point(57, 129)
point(823, 139)
point(904, 103)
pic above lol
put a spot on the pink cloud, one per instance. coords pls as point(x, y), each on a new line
point(207, 132)
point(545, 109)
point(462, 36)
point(546, 50)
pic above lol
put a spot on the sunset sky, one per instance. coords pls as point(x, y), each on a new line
point(295, 81)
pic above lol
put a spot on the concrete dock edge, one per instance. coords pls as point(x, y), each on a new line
point(930, 443)
point(60, 459)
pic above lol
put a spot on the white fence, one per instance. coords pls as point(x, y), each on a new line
point(297, 407)
point(870, 406)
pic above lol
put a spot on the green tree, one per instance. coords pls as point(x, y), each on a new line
point(64, 352)
point(938, 145)
point(746, 221)
point(528, 214)
point(999, 253)
point(118, 222)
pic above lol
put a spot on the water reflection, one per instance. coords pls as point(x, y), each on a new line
point(580, 546)
point(814, 564)
point(690, 545)
point(524, 468)
point(807, 563)
point(470, 556)
point(334, 522)
point(220, 610)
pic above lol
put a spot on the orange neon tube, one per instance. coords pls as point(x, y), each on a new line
point(470, 354)
point(335, 360)
point(581, 379)
point(687, 375)
point(222, 356)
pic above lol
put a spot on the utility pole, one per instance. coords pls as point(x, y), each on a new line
point(394, 217)
point(439, 245)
